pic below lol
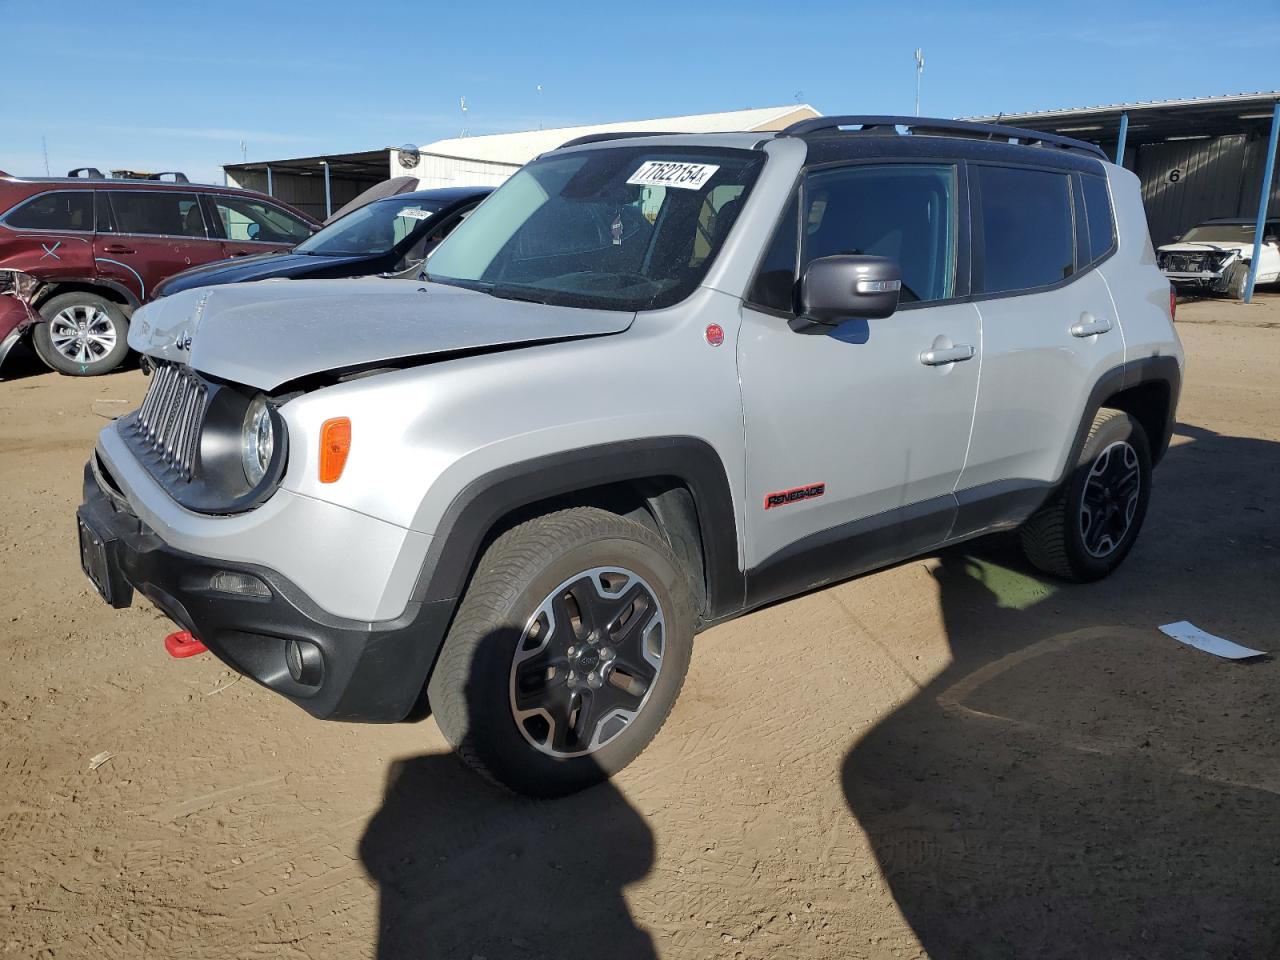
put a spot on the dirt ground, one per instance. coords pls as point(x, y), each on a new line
point(952, 758)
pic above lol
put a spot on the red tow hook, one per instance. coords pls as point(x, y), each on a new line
point(182, 644)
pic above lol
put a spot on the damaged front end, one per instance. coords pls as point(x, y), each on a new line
point(17, 316)
point(1201, 269)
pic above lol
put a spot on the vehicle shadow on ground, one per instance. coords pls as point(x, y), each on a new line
point(466, 870)
point(1075, 784)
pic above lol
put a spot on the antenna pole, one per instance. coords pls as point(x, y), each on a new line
point(44, 145)
point(919, 71)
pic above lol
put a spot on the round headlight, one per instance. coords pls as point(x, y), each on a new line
point(259, 440)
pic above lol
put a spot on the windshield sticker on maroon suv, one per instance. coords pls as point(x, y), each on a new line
point(671, 173)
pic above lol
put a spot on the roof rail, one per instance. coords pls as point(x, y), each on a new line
point(620, 135)
point(92, 173)
point(177, 177)
point(981, 131)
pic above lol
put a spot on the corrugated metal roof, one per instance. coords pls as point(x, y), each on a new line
point(520, 148)
point(1261, 97)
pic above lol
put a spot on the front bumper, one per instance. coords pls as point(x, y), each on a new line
point(15, 318)
point(1197, 278)
point(341, 669)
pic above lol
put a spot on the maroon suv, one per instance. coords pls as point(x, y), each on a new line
point(79, 255)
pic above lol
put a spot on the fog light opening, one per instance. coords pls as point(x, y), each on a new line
point(305, 662)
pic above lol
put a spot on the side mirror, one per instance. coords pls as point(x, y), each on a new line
point(846, 287)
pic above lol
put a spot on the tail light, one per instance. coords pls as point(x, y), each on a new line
point(1173, 302)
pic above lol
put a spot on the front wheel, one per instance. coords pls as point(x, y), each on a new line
point(567, 653)
point(83, 334)
point(1088, 527)
point(1237, 280)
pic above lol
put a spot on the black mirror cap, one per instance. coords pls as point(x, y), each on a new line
point(847, 287)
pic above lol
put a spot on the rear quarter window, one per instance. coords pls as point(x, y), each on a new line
point(1028, 237)
point(70, 210)
point(1097, 206)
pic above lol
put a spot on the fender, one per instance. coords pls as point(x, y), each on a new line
point(50, 288)
point(1133, 373)
point(472, 514)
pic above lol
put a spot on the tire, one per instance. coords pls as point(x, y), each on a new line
point(83, 334)
point(491, 696)
point(1081, 539)
point(1237, 279)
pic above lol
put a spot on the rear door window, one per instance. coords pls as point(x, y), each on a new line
point(903, 211)
point(1027, 232)
point(68, 210)
point(157, 214)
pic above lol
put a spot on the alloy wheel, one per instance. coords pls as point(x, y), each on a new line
point(82, 333)
point(1110, 498)
point(587, 661)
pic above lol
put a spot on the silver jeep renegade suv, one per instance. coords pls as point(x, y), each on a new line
point(652, 383)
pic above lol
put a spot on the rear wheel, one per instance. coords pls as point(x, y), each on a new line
point(82, 335)
point(567, 653)
point(1088, 527)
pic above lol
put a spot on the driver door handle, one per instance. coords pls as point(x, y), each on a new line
point(117, 248)
point(1090, 326)
point(939, 356)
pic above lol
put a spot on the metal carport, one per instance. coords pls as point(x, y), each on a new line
point(1197, 158)
point(316, 185)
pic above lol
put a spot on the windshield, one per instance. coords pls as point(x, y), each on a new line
point(623, 228)
point(373, 229)
point(1220, 233)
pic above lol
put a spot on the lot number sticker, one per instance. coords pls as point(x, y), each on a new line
point(415, 213)
point(670, 173)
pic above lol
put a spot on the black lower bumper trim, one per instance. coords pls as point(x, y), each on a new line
point(366, 671)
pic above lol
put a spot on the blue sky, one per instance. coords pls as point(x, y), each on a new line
point(179, 85)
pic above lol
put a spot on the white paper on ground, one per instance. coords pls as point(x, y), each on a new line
point(1187, 632)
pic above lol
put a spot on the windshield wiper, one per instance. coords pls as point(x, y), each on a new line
point(524, 294)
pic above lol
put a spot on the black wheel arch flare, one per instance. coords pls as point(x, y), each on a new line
point(482, 506)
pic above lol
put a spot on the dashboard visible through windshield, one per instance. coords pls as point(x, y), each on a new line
point(373, 229)
point(620, 228)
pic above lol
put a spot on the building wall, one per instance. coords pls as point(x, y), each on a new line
point(1187, 181)
point(435, 171)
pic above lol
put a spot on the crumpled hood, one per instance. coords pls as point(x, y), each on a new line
point(267, 333)
point(1196, 246)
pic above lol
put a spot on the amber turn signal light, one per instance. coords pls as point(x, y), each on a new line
point(335, 444)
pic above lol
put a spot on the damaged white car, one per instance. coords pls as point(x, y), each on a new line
point(1214, 256)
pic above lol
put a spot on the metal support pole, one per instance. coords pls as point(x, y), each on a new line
point(328, 198)
point(269, 193)
point(1267, 173)
point(1124, 135)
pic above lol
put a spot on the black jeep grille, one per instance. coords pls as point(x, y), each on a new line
point(171, 416)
